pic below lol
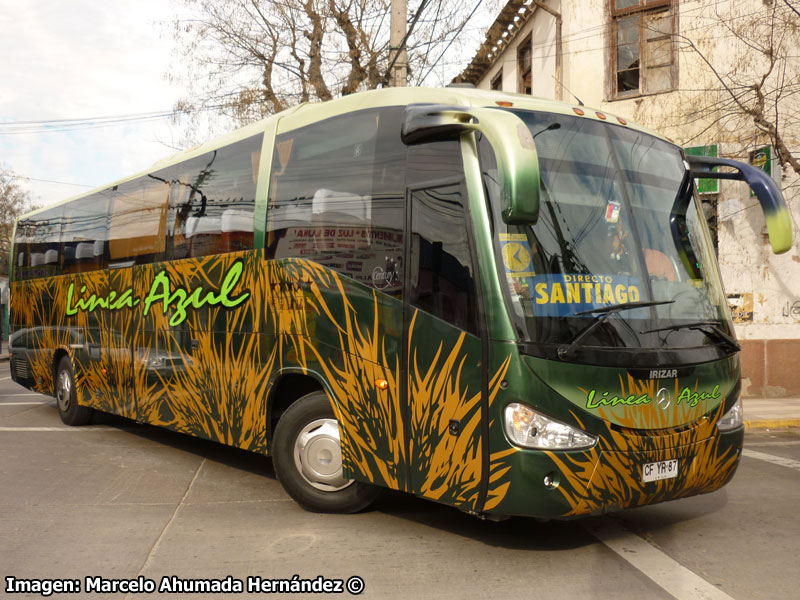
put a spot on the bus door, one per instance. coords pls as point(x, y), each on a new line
point(88, 336)
point(443, 344)
point(102, 342)
point(98, 306)
point(117, 340)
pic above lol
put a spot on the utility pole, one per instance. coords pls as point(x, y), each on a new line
point(399, 75)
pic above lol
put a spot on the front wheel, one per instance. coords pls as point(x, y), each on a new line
point(69, 410)
point(307, 455)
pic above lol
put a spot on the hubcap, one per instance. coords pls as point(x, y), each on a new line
point(63, 391)
point(318, 455)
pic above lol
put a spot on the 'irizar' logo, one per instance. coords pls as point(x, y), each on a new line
point(161, 292)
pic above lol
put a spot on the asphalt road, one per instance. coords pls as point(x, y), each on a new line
point(118, 500)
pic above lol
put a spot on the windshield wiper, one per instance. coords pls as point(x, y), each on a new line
point(710, 328)
point(565, 351)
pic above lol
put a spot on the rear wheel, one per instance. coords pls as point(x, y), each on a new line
point(307, 455)
point(69, 410)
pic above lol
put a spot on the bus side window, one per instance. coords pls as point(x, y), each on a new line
point(43, 234)
point(137, 227)
point(337, 197)
point(212, 200)
point(84, 235)
point(22, 238)
point(442, 279)
point(441, 269)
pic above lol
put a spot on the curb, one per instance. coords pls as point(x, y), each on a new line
point(764, 424)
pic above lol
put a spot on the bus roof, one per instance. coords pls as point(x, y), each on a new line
point(310, 112)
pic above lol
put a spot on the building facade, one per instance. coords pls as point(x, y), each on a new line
point(720, 78)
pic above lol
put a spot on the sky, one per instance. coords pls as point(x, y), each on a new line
point(88, 59)
point(67, 59)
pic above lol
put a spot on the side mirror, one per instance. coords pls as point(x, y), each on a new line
point(517, 161)
point(773, 204)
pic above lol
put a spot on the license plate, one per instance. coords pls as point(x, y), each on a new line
point(655, 471)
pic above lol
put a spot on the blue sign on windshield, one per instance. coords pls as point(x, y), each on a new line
point(566, 294)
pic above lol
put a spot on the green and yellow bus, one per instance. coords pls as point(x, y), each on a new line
point(504, 304)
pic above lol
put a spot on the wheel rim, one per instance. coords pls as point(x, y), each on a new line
point(318, 456)
point(64, 391)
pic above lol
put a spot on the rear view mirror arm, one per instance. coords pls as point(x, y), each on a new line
point(773, 204)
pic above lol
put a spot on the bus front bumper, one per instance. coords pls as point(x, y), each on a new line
point(577, 483)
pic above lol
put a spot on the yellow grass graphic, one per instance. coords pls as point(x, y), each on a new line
point(211, 374)
point(598, 480)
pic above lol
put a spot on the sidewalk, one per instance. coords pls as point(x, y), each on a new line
point(771, 413)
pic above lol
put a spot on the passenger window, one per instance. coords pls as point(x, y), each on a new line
point(38, 251)
point(337, 197)
point(441, 271)
point(212, 200)
point(202, 206)
point(23, 236)
point(442, 277)
point(138, 222)
point(84, 244)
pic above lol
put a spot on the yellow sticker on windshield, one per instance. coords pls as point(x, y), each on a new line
point(516, 254)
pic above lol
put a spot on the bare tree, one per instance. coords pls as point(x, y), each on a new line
point(14, 200)
point(252, 58)
point(746, 90)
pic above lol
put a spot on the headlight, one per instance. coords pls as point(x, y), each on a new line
point(733, 418)
point(526, 427)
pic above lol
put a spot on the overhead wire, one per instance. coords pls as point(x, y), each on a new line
point(76, 124)
point(474, 10)
point(403, 42)
point(26, 178)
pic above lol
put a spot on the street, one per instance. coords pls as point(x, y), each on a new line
point(117, 500)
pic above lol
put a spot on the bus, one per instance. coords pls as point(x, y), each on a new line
point(504, 304)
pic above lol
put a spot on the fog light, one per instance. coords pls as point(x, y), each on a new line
point(733, 418)
point(551, 480)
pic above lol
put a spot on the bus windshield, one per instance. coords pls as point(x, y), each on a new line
point(619, 228)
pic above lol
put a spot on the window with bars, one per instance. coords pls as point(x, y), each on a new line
point(643, 52)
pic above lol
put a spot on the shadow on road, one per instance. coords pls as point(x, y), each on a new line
point(517, 533)
point(213, 451)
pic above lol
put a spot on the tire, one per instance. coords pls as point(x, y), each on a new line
point(69, 410)
point(307, 457)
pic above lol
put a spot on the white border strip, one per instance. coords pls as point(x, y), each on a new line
point(666, 572)
point(771, 458)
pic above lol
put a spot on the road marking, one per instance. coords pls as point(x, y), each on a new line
point(161, 536)
point(92, 428)
point(775, 460)
point(666, 572)
point(28, 394)
point(781, 443)
point(21, 403)
point(4, 378)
